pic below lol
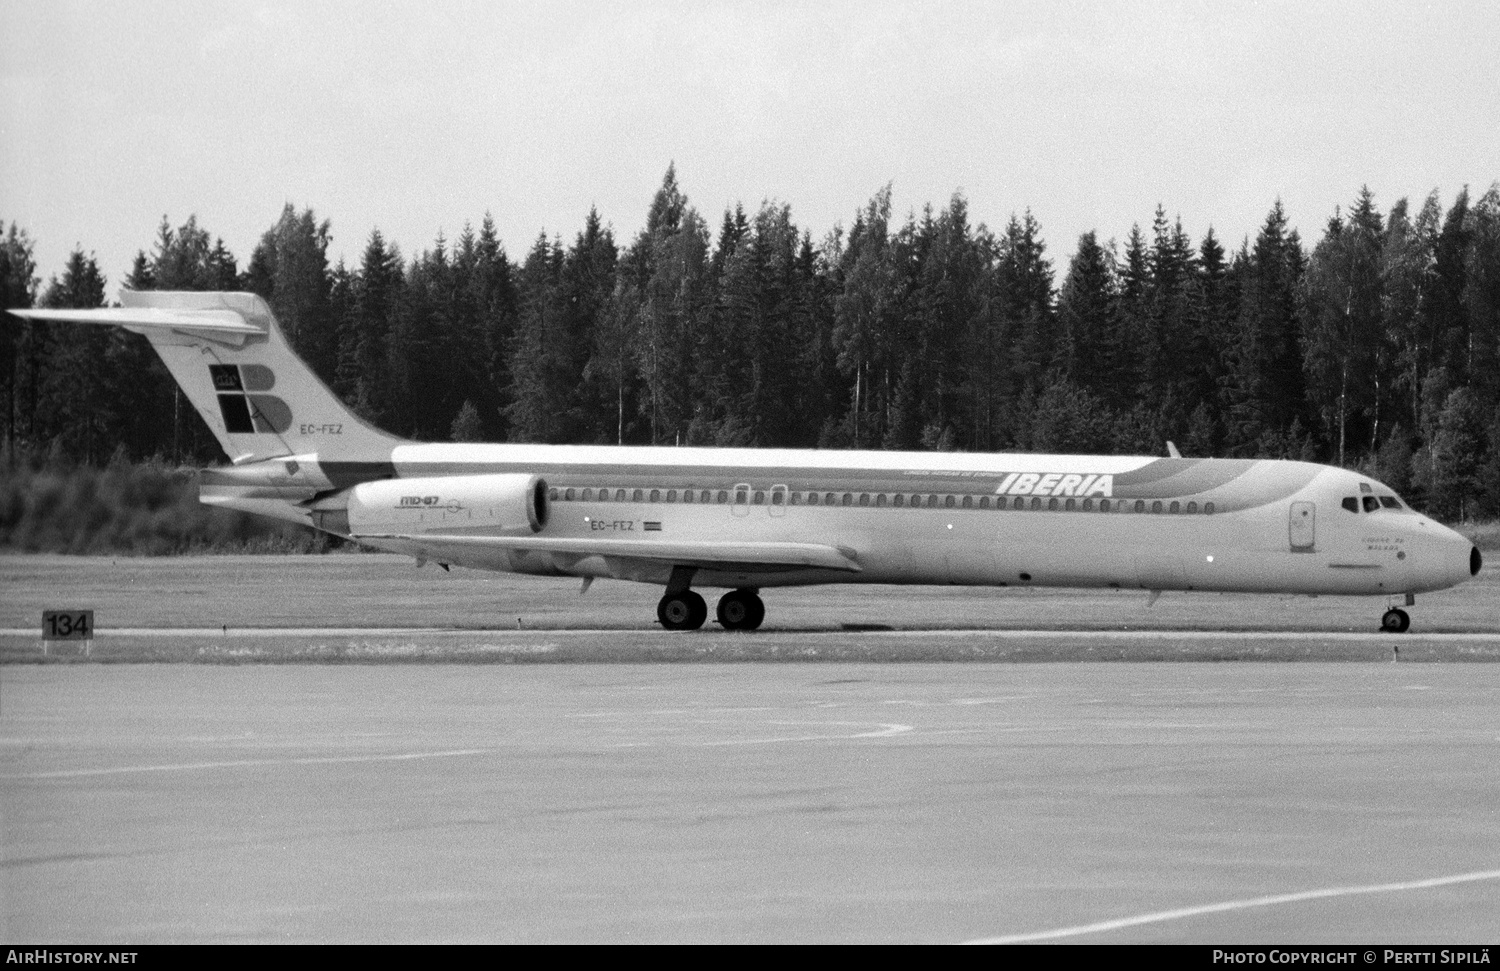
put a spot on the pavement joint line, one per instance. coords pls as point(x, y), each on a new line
point(247, 763)
point(1181, 913)
point(105, 633)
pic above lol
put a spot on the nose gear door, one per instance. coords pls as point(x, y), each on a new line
point(1302, 527)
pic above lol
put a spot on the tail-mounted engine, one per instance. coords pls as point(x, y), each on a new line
point(478, 505)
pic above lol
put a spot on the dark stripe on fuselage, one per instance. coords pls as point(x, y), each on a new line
point(1164, 479)
point(718, 476)
point(1174, 478)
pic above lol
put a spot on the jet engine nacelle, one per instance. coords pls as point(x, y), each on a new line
point(485, 505)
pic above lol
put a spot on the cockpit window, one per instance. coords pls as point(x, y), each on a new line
point(1390, 502)
point(1351, 503)
point(1371, 504)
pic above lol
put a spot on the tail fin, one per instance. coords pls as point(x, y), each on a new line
point(233, 362)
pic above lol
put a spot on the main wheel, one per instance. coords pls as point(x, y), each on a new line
point(1395, 621)
point(682, 611)
point(741, 610)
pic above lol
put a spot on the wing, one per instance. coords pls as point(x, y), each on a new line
point(727, 556)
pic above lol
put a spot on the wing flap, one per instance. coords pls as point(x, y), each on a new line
point(706, 554)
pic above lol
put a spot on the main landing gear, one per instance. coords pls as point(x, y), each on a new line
point(741, 610)
point(737, 610)
point(682, 609)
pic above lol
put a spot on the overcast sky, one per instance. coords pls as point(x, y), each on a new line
point(415, 118)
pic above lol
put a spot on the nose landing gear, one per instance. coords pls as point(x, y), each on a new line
point(1395, 621)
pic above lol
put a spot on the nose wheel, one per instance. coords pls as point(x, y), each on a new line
point(741, 610)
point(1395, 621)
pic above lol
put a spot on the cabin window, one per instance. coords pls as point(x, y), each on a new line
point(656, 495)
point(687, 495)
point(1208, 509)
point(968, 502)
point(552, 494)
point(638, 496)
point(848, 499)
point(1071, 505)
point(776, 497)
point(723, 496)
point(1371, 504)
point(567, 495)
point(898, 500)
point(1088, 505)
point(1140, 505)
point(1052, 505)
point(880, 500)
point(932, 502)
point(1192, 508)
point(741, 497)
point(604, 495)
point(1036, 504)
point(984, 502)
point(760, 498)
point(1103, 505)
point(1020, 502)
point(1175, 508)
point(1156, 506)
point(812, 498)
point(794, 498)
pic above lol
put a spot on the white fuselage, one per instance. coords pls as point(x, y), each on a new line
point(943, 518)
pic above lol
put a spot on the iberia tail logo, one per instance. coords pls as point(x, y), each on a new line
point(245, 409)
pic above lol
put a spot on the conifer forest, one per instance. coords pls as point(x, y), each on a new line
point(1375, 345)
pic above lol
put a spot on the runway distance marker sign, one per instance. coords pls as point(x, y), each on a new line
point(67, 625)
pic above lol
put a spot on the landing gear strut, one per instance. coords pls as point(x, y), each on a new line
point(741, 610)
point(1395, 621)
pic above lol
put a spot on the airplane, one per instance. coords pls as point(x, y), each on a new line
point(745, 520)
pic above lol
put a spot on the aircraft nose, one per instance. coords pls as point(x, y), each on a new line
point(1462, 557)
point(1454, 556)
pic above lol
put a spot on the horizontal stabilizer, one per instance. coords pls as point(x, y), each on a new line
point(709, 555)
point(151, 318)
